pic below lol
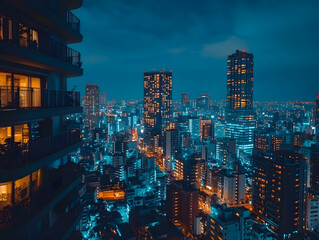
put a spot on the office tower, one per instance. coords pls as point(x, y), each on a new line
point(194, 127)
point(231, 187)
point(39, 185)
point(279, 191)
point(92, 105)
point(312, 215)
point(212, 179)
point(185, 99)
point(189, 168)
point(182, 204)
point(205, 129)
point(157, 107)
point(268, 141)
point(314, 167)
point(103, 99)
point(229, 223)
point(202, 102)
point(239, 115)
point(240, 78)
point(224, 146)
point(170, 148)
point(316, 115)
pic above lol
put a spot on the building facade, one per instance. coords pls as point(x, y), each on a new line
point(240, 119)
point(92, 104)
point(229, 223)
point(182, 204)
point(240, 79)
point(39, 183)
point(279, 190)
point(157, 108)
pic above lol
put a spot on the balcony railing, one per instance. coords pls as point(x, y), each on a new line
point(19, 212)
point(29, 98)
point(63, 13)
point(22, 36)
point(73, 21)
point(17, 155)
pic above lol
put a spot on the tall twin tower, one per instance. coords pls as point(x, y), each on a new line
point(240, 120)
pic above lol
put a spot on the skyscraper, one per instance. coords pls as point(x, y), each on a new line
point(240, 78)
point(170, 148)
point(39, 184)
point(103, 99)
point(157, 107)
point(317, 113)
point(91, 104)
point(314, 167)
point(240, 120)
point(185, 98)
point(202, 102)
point(182, 204)
point(279, 191)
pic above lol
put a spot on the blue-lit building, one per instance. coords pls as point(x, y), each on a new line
point(240, 120)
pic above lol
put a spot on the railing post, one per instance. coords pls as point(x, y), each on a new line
point(18, 97)
point(31, 97)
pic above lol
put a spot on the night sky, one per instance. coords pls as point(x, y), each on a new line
point(124, 38)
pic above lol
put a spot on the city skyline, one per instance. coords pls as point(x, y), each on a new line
point(208, 160)
point(196, 51)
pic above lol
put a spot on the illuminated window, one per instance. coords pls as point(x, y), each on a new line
point(21, 133)
point(21, 188)
point(5, 133)
point(5, 194)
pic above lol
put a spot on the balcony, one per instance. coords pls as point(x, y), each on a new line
point(60, 183)
point(30, 103)
point(46, 54)
point(15, 156)
point(55, 18)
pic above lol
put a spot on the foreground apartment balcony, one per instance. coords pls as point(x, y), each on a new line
point(60, 183)
point(48, 56)
point(53, 16)
point(18, 159)
point(23, 104)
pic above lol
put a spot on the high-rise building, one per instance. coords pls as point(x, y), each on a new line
point(92, 104)
point(158, 108)
point(268, 141)
point(205, 129)
point(231, 187)
point(240, 119)
point(170, 148)
point(240, 78)
point(103, 99)
point(189, 168)
point(202, 102)
point(312, 215)
point(229, 223)
point(182, 204)
point(185, 98)
point(317, 113)
point(279, 191)
point(314, 167)
point(39, 184)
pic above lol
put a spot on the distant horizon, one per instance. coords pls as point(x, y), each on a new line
point(194, 40)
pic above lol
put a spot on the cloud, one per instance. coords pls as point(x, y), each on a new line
point(193, 38)
point(223, 48)
point(96, 58)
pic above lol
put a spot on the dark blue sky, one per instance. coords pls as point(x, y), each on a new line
point(123, 38)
